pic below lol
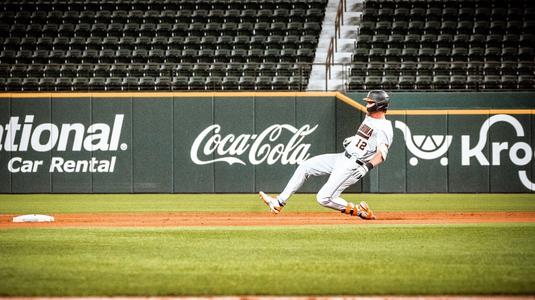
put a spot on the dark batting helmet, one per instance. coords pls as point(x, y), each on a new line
point(377, 101)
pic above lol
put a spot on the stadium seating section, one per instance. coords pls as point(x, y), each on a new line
point(445, 45)
point(61, 45)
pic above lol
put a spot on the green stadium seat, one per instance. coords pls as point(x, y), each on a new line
point(525, 68)
point(201, 70)
point(230, 83)
point(458, 68)
point(247, 83)
point(47, 84)
point(298, 83)
point(163, 83)
point(67, 71)
point(87, 57)
point(280, 83)
point(117, 70)
point(13, 84)
point(222, 55)
point(474, 82)
point(30, 84)
point(373, 82)
point(389, 82)
point(217, 70)
point(180, 83)
point(407, 82)
point(214, 83)
point(57, 56)
point(135, 70)
point(443, 54)
point(482, 27)
point(160, 43)
point(130, 84)
point(64, 84)
point(408, 68)
point(442, 69)
point(423, 82)
point(426, 54)
point(147, 84)
point(119, 17)
point(77, 43)
point(461, 41)
point(263, 83)
point(232, 16)
point(509, 82)
point(511, 40)
point(184, 70)
point(526, 81)
point(363, 41)
point(103, 15)
point(24, 57)
point(33, 71)
point(458, 82)
point(491, 82)
point(28, 43)
point(151, 70)
point(507, 68)
point(189, 56)
point(99, 30)
point(80, 84)
point(45, 43)
point(478, 41)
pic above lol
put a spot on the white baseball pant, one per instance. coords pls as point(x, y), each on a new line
point(342, 175)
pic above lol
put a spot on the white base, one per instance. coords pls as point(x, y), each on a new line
point(33, 218)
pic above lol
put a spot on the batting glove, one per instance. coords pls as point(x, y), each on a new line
point(362, 169)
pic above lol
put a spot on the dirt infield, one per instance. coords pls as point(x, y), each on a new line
point(289, 298)
point(187, 219)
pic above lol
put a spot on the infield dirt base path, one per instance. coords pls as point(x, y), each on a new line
point(289, 298)
point(187, 219)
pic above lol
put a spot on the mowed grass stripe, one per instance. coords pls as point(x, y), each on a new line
point(311, 260)
point(84, 203)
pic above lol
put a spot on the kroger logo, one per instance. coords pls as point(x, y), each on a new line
point(436, 146)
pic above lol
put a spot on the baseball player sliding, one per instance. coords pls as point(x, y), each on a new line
point(367, 149)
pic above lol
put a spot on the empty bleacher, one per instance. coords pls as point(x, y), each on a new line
point(444, 45)
point(61, 45)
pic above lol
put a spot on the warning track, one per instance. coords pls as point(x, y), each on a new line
point(188, 219)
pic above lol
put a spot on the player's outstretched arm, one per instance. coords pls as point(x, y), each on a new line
point(376, 160)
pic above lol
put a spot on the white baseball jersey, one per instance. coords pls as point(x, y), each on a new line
point(371, 134)
point(341, 167)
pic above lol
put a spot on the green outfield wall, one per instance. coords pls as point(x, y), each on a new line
point(245, 142)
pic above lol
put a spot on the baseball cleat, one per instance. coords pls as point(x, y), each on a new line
point(364, 211)
point(274, 205)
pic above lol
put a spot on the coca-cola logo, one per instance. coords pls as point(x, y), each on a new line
point(260, 148)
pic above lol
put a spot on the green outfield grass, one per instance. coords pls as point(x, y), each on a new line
point(365, 259)
point(61, 203)
point(312, 260)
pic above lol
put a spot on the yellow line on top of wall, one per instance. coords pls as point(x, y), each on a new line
point(161, 94)
point(431, 112)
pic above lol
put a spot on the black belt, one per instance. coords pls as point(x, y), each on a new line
point(360, 162)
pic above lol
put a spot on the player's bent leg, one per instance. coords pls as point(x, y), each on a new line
point(326, 199)
point(315, 166)
point(340, 179)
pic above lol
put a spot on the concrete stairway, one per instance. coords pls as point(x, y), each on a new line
point(342, 58)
